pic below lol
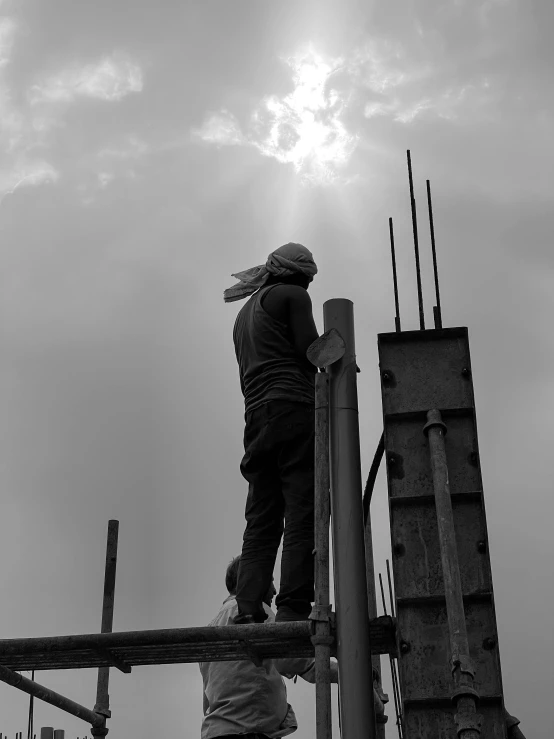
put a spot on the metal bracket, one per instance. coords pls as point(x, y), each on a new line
point(434, 423)
point(113, 659)
point(102, 710)
point(465, 691)
point(320, 613)
point(251, 653)
point(463, 662)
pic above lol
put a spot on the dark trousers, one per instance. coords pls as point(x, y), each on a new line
point(278, 464)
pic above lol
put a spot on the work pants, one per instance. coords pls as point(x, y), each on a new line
point(278, 464)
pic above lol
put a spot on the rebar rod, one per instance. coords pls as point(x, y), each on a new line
point(322, 639)
point(395, 691)
point(391, 596)
point(351, 598)
point(394, 277)
point(437, 312)
point(416, 243)
point(49, 696)
point(465, 697)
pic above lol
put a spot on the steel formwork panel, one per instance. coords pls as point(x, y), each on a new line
point(422, 371)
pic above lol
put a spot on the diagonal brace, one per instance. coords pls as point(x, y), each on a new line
point(49, 696)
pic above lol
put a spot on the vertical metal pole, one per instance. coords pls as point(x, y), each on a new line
point(416, 243)
point(31, 713)
point(102, 696)
point(47, 732)
point(322, 638)
point(357, 708)
point(468, 721)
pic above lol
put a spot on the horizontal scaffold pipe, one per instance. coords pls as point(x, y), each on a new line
point(50, 696)
point(175, 646)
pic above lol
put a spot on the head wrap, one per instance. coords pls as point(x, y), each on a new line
point(285, 261)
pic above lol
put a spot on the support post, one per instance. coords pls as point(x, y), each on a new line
point(321, 612)
point(102, 695)
point(357, 708)
point(468, 721)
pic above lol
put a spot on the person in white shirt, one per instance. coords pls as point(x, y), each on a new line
point(241, 699)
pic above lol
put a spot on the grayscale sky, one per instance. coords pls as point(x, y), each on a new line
point(150, 149)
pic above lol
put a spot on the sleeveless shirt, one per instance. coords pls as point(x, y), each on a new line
point(269, 366)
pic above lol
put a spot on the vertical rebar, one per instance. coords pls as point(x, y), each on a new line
point(437, 310)
point(322, 639)
point(391, 596)
point(353, 637)
point(468, 721)
point(416, 243)
point(394, 680)
point(394, 277)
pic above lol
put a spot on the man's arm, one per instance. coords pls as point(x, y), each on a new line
point(300, 320)
point(304, 668)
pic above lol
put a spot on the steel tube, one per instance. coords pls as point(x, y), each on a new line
point(322, 639)
point(49, 696)
point(465, 697)
point(357, 708)
point(102, 694)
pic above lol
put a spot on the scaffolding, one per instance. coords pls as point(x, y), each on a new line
point(441, 630)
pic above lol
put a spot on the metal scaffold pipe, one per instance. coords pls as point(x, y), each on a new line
point(322, 639)
point(468, 721)
point(357, 708)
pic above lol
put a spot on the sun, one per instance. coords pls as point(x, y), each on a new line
point(305, 128)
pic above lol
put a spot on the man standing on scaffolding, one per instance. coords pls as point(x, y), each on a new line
point(271, 335)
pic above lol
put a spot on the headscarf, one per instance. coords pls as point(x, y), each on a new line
point(283, 262)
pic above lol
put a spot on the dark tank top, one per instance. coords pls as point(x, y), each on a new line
point(269, 366)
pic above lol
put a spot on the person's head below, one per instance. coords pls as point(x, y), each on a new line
point(232, 576)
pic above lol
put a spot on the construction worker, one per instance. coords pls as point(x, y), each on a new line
point(241, 698)
point(271, 335)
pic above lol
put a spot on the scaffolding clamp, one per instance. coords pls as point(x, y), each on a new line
point(321, 615)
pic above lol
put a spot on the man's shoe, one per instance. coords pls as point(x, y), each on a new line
point(248, 618)
point(287, 614)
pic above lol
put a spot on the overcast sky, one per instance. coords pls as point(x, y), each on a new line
point(150, 149)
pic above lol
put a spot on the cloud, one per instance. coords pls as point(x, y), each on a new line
point(27, 175)
point(221, 129)
point(425, 73)
point(111, 79)
point(303, 128)
point(26, 126)
point(103, 167)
